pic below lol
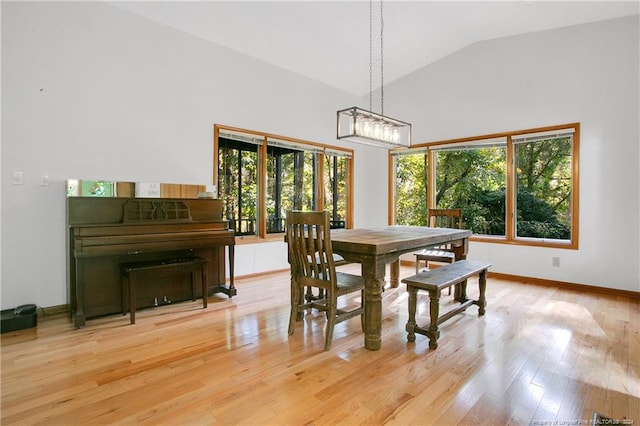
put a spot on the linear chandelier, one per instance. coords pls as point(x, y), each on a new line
point(365, 126)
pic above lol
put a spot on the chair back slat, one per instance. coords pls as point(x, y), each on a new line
point(445, 218)
point(309, 245)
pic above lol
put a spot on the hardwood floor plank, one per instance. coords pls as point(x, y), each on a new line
point(539, 353)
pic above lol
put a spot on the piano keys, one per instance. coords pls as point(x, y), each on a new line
point(105, 233)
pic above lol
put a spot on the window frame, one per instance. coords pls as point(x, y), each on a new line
point(277, 149)
point(510, 184)
point(322, 185)
point(393, 170)
point(243, 147)
point(319, 148)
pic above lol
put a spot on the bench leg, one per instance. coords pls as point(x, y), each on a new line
point(194, 280)
point(205, 290)
point(482, 283)
point(411, 323)
point(460, 292)
point(203, 284)
point(132, 298)
point(434, 311)
point(125, 294)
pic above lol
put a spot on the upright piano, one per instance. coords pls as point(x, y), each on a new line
point(105, 233)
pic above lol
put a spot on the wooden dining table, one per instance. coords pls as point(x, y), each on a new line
point(374, 248)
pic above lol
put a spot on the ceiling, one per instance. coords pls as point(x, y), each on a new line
point(328, 41)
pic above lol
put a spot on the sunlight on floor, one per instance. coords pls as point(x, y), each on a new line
point(612, 371)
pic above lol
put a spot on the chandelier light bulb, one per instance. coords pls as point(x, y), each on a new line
point(377, 130)
point(367, 128)
point(396, 135)
point(386, 132)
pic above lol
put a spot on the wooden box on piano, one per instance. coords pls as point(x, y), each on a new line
point(105, 233)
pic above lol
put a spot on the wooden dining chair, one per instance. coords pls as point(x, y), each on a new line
point(309, 295)
point(440, 218)
point(313, 265)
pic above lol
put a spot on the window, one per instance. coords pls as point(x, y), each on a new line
point(260, 177)
point(291, 181)
point(515, 187)
point(410, 187)
point(238, 181)
point(336, 171)
point(471, 176)
point(543, 164)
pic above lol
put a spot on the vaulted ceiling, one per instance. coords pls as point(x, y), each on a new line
point(328, 41)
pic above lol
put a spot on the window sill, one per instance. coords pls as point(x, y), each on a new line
point(525, 242)
point(254, 239)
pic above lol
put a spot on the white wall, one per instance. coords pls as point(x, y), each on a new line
point(587, 74)
point(91, 91)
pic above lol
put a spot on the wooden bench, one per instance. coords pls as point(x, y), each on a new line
point(131, 273)
point(434, 281)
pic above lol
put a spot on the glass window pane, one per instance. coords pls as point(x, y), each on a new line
point(238, 184)
point(335, 189)
point(290, 184)
point(287, 179)
point(474, 180)
point(543, 183)
point(411, 189)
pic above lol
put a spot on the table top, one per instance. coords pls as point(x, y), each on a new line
point(390, 239)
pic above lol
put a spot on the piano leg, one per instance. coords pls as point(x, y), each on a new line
point(79, 319)
point(231, 289)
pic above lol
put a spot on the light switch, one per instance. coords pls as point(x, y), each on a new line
point(46, 181)
point(18, 178)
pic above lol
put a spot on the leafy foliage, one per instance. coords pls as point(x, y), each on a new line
point(335, 186)
point(474, 180)
point(411, 189)
point(291, 184)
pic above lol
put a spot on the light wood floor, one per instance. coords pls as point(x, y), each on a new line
point(540, 354)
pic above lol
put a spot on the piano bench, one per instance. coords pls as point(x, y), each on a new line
point(131, 272)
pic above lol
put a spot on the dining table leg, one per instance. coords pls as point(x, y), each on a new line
point(394, 269)
point(373, 272)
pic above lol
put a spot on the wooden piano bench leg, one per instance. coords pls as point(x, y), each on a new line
point(194, 280)
point(203, 280)
point(200, 266)
point(201, 270)
point(125, 293)
point(132, 298)
point(129, 295)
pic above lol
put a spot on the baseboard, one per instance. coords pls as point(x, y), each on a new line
point(257, 274)
point(52, 310)
point(561, 284)
point(567, 285)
